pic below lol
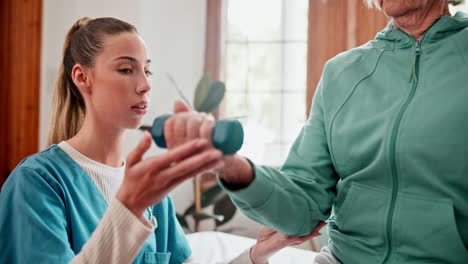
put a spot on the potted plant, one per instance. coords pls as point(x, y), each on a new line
point(207, 191)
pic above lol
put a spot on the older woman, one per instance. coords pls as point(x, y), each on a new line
point(384, 152)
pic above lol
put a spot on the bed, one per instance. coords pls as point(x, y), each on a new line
point(218, 248)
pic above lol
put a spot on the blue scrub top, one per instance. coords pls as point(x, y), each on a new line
point(49, 207)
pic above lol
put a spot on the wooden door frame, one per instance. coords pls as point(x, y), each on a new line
point(336, 26)
point(20, 43)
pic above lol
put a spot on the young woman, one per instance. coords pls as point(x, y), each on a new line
point(78, 201)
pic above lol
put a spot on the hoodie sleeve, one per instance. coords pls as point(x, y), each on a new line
point(294, 199)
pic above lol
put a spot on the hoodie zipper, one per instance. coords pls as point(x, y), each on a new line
point(414, 73)
point(414, 78)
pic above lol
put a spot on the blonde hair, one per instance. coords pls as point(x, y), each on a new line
point(83, 42)
point(372, 3)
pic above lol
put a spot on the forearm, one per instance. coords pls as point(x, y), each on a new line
point(117, 239)
point(273, 195)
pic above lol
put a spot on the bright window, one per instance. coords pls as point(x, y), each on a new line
point(461, 7)
point(265, 73)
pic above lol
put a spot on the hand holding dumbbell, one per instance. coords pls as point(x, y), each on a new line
point(227, 136)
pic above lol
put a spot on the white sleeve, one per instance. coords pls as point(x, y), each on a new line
point(117, 239)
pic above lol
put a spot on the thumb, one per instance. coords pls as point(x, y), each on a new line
point(180, 106)
point(137, 154)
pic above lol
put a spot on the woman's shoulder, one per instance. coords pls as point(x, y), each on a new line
point(50, 157)
point(48, 164)
point(354, 59)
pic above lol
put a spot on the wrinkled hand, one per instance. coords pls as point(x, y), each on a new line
point(270, 241)
point(148, 181)
point(186, 125)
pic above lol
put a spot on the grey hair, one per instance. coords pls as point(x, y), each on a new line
point(372, 3)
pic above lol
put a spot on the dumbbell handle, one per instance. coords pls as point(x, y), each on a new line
point(228, 135)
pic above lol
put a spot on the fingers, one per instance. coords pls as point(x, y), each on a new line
point(193, 127)
point(206, 128)
point(320, 226)
point(137, 154)
point(190, 166)
point(176, 181)
point(169, 132)
point(316, 230)
point(175, 130)
point(311, 235)
point(289, 241)
point(180, 106)
point(187, 126)
point(315, 233)
point(179, 130)
point(163, 188)
point(160, 162)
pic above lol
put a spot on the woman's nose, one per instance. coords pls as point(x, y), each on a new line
point(144, 86)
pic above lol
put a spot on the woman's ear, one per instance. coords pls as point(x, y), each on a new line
point(81, 79)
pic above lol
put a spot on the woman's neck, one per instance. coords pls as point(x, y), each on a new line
point(417, 22)
point(99, 142)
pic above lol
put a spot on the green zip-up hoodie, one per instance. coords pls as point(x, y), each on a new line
point(384, 153)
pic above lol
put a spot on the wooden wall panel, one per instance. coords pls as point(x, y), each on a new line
point(327, 36)
point(213, 38)
point(4, 90)
point(336, 26)
point(369, 21)
point(20, 38)
point(213, 41)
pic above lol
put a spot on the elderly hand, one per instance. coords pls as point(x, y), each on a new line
point(186, 125)
point(270, 241)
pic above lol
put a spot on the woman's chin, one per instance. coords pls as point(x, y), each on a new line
point(135, 123)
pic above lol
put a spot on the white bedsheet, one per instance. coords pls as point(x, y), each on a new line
point(219, 248)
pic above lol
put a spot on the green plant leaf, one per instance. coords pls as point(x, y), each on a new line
point(213, 98)
point(226, 208)
point(201, 92)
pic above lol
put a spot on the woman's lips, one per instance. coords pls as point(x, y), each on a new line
point(139, 109)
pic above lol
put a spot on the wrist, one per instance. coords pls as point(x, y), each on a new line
point(237, 171)
point(254, 259)
point(130, 203)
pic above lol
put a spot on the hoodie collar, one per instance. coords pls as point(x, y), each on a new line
point(442, 28)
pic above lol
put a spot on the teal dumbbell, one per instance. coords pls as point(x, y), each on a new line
point(228, 135)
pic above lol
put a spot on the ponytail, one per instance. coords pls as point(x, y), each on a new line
point(84, 40)
point(67, 103)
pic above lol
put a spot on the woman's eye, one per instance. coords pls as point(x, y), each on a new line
point(148, 73)
point(125, 71)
